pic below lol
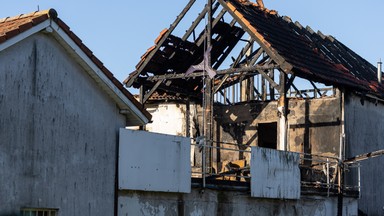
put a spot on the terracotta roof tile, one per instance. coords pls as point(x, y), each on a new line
point(25, 26)
point(62, 24)
point(12, 26)
point(74, 37)
point(97, 61)
point(108, 73)
point(86, 50)
point(39, 19)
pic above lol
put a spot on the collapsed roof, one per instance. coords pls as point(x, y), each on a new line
point(283, 45)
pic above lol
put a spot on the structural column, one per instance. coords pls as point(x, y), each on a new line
point(282, 124)
point(208, 103)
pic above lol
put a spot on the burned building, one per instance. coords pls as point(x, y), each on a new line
point(241, 76)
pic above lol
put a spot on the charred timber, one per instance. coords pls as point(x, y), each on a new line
point(219, 72)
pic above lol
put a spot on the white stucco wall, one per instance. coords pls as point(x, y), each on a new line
point(171, 118)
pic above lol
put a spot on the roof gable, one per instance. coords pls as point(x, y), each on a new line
point(14, 29)
point(290, 47)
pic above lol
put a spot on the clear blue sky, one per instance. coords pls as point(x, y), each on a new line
point(120, 31)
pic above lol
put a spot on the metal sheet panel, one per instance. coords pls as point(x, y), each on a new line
point(154, 162)
point(275, 174)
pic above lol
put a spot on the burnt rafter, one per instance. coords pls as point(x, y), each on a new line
point(236, 62)
point(284, 45)
point(270, 80)
point(198, 20)
point(172, 89)
point(148, 94)
point(250, 69)
point(157, 47)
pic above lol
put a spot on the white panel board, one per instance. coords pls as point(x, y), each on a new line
point(275, 174)
point(154, 162)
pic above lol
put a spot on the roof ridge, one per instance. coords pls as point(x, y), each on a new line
point(263, 9)
point(52, 13)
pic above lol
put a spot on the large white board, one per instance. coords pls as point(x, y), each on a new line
point(154, 162)
point(275, 174)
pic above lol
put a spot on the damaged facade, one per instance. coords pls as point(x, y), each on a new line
point(278, 85)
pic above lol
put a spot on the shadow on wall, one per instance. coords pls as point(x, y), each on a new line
point(236, 121)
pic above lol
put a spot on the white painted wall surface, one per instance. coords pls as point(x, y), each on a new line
point(275, 174)
point(154, 162)
point(167, 118)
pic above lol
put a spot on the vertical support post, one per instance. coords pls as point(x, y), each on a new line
point(141, 100)
point(328, 180)
point(208, 104)
point(244, 90)
point(188, 118)
point(263, 89)
point(282, 112)
point(340, 190)
point(251, 80)
point(141, 94)
point(271, 89)
point(359, 179)
point(233, 94)
point(379, 72)
point(251, 88)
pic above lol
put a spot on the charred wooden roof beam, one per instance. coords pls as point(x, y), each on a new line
point(198, 20)
point(162, 40)
point(200, 74)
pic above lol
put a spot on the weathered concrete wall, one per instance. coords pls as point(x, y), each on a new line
point(211, 202)
point(364, 133)
point(58, 133)
point(314, 125)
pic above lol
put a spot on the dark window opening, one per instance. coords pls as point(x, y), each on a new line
point(267, 135)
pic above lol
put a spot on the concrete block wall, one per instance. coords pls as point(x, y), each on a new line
point(226, 203)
